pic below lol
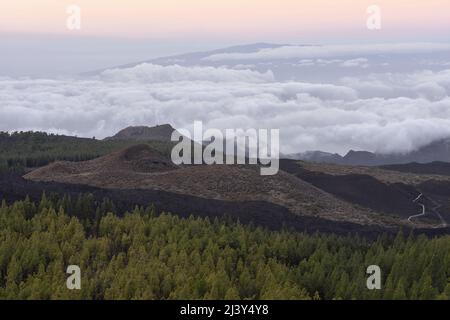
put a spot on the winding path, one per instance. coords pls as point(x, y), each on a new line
point(434, 209)
point(420, 204)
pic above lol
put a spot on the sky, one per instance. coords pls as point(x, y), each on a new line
point(238, 19)
point(332, 84)
point(35, 40)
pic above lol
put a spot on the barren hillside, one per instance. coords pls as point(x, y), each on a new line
point(140, 167)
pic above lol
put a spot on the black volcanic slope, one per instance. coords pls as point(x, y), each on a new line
point(260, 213)
point(439, 168)
point(364, 190)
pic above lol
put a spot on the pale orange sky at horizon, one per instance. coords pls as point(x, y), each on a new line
point(234, 18)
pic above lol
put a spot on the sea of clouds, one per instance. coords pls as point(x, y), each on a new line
point(383, 112)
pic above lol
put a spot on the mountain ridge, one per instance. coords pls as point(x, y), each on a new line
point(161, 133)
point(436, 151)
point(197, 55)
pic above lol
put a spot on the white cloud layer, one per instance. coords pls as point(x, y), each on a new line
point(328, 51)
point(379, 112)
point(151, 73)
